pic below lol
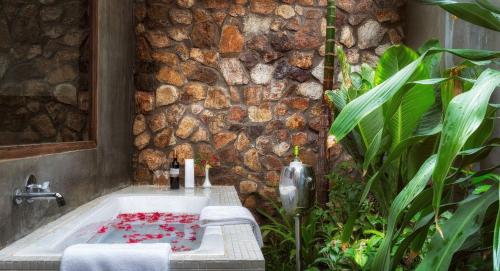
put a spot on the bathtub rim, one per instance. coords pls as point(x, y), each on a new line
point(110, 206)
point(241, 248)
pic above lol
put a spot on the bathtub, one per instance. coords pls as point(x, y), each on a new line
point(80, 230)
point(227, 247)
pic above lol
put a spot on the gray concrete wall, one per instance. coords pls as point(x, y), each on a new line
point(83, 175)
point(426, 22)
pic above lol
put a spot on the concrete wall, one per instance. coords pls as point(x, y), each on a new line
point(83, 175)
point(426, 22)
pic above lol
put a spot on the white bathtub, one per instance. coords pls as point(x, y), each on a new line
point(80, 230)
point(230, 247)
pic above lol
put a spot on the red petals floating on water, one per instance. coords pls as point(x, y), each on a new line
point(132, 222)
point(157, 217)
point(102, 229)
point(181, 248)
point(167, 228)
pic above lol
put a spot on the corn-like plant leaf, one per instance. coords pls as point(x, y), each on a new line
point(419, 235)
point(430, 125)
point(360, 107)
point(372, 150)
point(392, 61)
point(368, 185)
point(484, 131)
point(480, 12)
point(434, 62)
point(464, 115)
point(412, 105)
point(466, 220)
point(490, 5)
point(402, 200)
point(369, 128)
point(338, 97)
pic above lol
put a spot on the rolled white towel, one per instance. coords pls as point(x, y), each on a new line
point(111, 257)
point(230, 215)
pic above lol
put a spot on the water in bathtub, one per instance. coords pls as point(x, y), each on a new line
point(182, 231)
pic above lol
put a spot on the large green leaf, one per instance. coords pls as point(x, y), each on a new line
point(466, 220)
point(480, 12)
point(475, 155)
point(392, 61)
point(371, 125)
point(434, 62)
point(464, 115)
point(423, 133)
point(369, 128)
point(484, 131)
point(402, 200)
point(338, 97)
point(362, 106)
point(490, 5)
point(409, 109)
point(414, 104)
point(370, 101)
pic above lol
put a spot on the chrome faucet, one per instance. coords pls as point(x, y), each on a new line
point(34, 190)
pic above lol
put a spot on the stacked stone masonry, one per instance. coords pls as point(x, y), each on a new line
point(44, 71)
point(241, 81)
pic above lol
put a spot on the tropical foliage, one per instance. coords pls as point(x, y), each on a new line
point(416, 132)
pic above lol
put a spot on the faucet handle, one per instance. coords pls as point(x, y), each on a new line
point(35, 188)
point(46, 186)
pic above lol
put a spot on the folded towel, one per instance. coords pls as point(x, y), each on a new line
point(230, 215)
point(110, 257)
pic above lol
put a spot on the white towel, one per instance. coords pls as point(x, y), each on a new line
point(230, 215)
point(111, 257)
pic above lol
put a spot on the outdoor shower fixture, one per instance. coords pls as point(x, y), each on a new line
point(297, 190)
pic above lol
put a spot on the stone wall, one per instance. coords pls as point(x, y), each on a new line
point(240, 81)
point(44, 71)
point(365, 29)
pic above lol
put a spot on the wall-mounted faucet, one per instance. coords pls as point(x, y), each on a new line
point(34, 190)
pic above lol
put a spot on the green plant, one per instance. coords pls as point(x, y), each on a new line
point(279, 237)
point(485, 13)
point(345, 192)
point(409, 126)
point(321, 230)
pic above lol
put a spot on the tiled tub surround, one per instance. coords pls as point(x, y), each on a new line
point(222, 248)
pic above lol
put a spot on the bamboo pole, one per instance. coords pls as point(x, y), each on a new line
point(322, 164)
point(329, 46)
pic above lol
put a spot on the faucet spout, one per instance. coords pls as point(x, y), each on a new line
point(36, 191)
point(20, 197)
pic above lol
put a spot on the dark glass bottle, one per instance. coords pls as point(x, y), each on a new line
point(174, 173)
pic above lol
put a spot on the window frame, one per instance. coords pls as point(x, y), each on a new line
point(30, 150)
